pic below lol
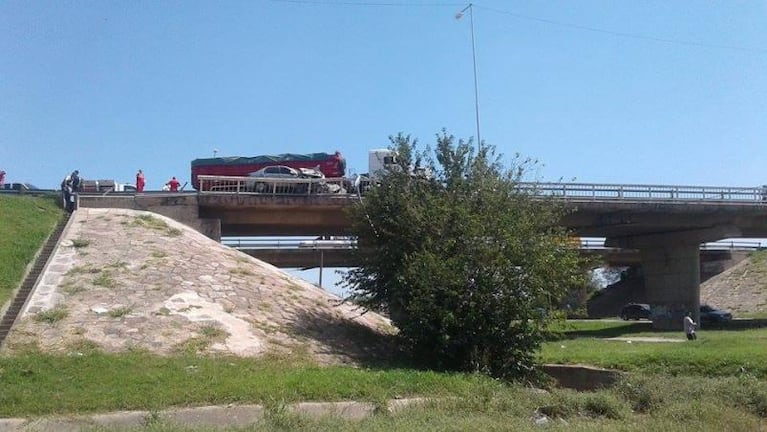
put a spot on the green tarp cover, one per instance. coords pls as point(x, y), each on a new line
point(240, 160)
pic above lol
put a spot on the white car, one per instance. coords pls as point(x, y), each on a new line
point(286, 172)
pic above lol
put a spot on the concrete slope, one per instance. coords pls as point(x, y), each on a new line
point(741, 288)
point(126, 279)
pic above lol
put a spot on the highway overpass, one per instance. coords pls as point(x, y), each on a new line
point(666, 224)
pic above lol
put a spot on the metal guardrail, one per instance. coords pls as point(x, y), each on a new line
point(251, 244)
point(585, 244)
point(570, 191)
point(732, 245)
point(634, 192)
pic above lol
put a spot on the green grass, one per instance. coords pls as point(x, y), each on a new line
point(80, 243)
point(715, 353)
point(151, 222)
point(36, 385)
point(52, 316)
point(120, 312)
point(25, 222)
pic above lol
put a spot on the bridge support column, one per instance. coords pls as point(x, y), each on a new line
point(671, 268)
point(672, 282)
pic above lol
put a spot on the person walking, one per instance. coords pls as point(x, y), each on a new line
point(689, 326)
point(2, 178)
point(173, 184)
point(140, 181)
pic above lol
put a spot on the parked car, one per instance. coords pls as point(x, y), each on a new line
point(20, 187)
point(635, 311)
point(710, 314)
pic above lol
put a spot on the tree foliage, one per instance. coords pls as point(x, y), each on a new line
point(464, 261)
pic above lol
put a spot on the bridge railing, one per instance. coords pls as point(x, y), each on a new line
point(732, 245)
point(632, 192)
point(571, 191)
point(272, 186)
point(585, 244)
point(287, 243)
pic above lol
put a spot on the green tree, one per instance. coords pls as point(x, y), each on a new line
point(463, 260)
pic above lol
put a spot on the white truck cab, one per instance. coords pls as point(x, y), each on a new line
point(380, 160)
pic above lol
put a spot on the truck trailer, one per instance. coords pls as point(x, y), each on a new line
point(332, 165)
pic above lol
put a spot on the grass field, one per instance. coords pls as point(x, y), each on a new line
point(25, 222)
point(36, 384)
point(716, 383)
point(715, 353)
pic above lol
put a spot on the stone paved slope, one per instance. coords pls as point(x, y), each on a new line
point(129, 279)
point(742, 288)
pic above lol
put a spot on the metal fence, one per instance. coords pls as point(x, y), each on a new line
point(570, 191)
point(287, 243)
point(346, 243)
point(632, 192)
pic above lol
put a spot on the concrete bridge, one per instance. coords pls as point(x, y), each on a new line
point(666, 224)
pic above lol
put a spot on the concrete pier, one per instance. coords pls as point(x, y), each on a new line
point(671, 268)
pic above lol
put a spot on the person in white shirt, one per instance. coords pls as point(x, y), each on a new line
point(689, 327)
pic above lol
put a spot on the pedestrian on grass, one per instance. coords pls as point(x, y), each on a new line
point(689, 326)
point(173, 184)
point(140, 181)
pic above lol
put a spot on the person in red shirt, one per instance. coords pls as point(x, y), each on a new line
point(140, 181)
point(173, 184)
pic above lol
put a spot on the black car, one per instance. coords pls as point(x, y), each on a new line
point(635, 311)
point(709, 314)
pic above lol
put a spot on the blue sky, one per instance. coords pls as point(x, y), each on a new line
point(618, 91)
point(615, 91)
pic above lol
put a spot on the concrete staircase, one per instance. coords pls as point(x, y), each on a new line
point(17, 303)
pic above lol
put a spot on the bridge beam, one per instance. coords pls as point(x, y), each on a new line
point(671, 268)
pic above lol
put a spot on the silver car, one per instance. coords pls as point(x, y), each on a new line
point(285, 172)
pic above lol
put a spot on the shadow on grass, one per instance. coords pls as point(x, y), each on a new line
point(350, 340)
point(609, 332)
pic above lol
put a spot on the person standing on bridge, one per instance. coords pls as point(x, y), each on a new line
point(689, 326)
point(140, 181)
point(75, 181)
point(173, 184)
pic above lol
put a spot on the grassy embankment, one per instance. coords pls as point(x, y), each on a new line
point(673, 386)
point(25, 222)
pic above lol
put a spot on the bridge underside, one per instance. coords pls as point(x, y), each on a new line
point(303, 258)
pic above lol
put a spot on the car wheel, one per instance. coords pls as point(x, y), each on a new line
point(624, 317)
point(259, 187)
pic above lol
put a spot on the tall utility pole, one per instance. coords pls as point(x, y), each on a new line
point(458, 16)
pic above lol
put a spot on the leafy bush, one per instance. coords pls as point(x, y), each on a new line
point(465, 262)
